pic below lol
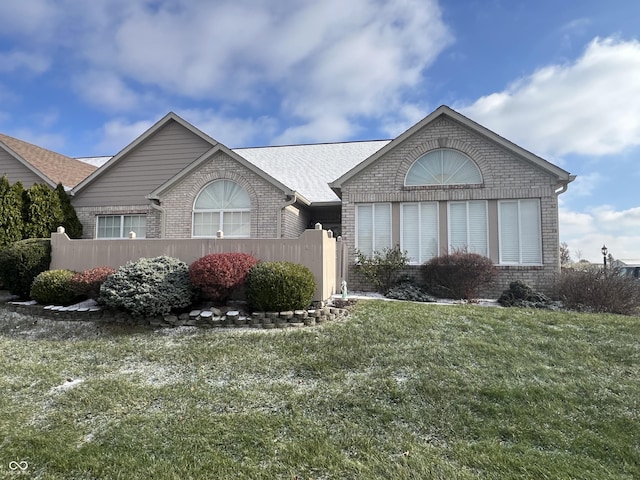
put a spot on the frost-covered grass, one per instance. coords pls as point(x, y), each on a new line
point(397, 390)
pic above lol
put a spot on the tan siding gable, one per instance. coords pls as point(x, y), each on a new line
point(16, 171)
point(152, 163)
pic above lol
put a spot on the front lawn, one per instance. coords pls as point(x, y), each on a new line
point(395, 391)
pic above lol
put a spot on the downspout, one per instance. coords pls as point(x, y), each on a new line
point(156, 206)
point(291, 201)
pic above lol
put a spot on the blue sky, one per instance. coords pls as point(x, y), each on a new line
point(561, 79)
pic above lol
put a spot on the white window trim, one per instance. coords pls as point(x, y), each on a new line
point(221, 223)
point(486, 216)
point(441, 159)
point(123, 234)
point(373, 240)
point(220, 211)
point(520, 262)
point(420, 261)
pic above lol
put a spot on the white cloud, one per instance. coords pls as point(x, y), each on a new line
point(586, 232)
point(587, 107)
point(117, 134)
point(231, 131)
point(107, 90)
point(17, 60)
point(356, 59)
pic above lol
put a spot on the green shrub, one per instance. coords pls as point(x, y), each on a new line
point(70, 220)
point(519, 294)
point(458, 275)
point(87, 283)
point(382, 268)
point(10, 213)
point(279, 286)
point(217, 275)
point(410, 292)
point(594, 290)
point(42, 212)
point(21, 262)
point(53, 286)
point(149, 287)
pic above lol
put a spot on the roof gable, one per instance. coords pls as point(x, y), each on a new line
point(168, 185)
point(51, 167)
point(113, 161)
point(563, 177)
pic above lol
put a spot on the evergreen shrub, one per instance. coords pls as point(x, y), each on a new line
point(87, 283)
point(149, 287)
point(279, 286)
point(21, 262)
point(458, 275)
point(53, 286)
point(217, 275)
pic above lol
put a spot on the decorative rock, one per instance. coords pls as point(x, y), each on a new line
point(216, 311)
point(271, 315)
point(300, 314)
point(286, 315)
point(297, 324)
point(206, 314)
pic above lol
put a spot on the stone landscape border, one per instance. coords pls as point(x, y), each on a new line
point(205, 318)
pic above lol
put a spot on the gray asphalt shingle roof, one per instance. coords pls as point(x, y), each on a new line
point(308, 169)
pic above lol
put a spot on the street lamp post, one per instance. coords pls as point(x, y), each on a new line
point(604, 251)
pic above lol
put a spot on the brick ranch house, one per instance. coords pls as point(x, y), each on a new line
point(447, 183)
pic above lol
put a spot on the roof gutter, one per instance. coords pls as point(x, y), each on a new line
point(565, 185)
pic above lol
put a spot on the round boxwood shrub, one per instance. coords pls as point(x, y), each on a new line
point(21, 262)
point(279, 286)
point(458, 275)
point(149, 287)
point(53, 286)
point(88, 282)
point(217, 275)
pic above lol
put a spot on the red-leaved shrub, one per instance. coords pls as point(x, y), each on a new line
point(217, 275)
point(458, 275)
point(88, 283)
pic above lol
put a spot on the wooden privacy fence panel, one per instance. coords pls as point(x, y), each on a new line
point(315, 249)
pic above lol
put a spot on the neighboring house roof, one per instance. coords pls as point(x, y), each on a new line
point(52, 167)
point(308, 169)
point(563, 177)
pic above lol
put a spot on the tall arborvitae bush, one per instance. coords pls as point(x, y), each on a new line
point(21, 262)
point(70, 220)
point(10, 213)
point(42, 211)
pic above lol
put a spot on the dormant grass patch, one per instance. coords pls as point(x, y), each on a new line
point(395, 390)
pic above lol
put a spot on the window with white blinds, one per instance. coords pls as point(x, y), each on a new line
point(419, 226)
point(373, 227)
point(468, 228)
point(222, 205)
point(520, 232)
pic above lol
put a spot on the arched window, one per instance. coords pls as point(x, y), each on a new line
point(222, 205)
point(443, 167)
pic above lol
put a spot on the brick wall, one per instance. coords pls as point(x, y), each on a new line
point(505, 176)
